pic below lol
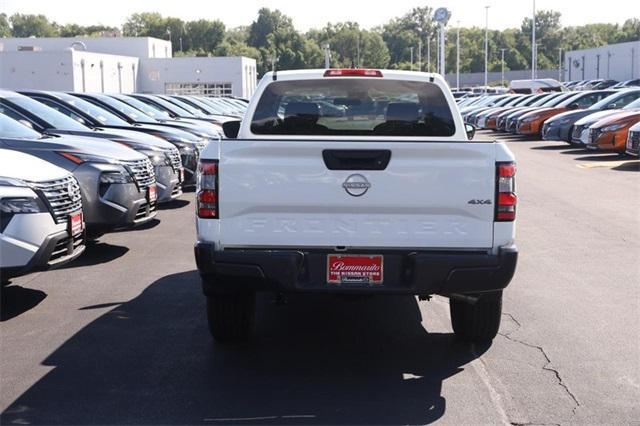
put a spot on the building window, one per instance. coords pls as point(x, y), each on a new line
point(199, 89)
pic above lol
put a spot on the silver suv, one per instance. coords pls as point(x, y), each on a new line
point(118, 184)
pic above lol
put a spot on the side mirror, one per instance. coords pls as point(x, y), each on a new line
point(612, 106)
point(573, 106)
point(471, 131)
point(81, 120)
point(231, 129)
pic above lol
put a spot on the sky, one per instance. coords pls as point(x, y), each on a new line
point(315, 14)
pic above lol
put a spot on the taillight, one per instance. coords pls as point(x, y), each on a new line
point(207, 189)
point(352, 72)
point(506, 198)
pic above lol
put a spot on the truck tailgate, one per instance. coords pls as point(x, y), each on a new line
point(313, 193)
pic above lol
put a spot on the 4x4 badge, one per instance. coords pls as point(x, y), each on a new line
point(476, 202)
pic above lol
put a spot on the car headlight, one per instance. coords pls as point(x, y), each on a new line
point(185, 149)
point(21, 205)
point(80, 158)
point(7, 181)
point(157, 158)
point(613, 127)
point(116, 177)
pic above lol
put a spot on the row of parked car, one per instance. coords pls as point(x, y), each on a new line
point(603, 120)
point(76, 165)
point(600, 83)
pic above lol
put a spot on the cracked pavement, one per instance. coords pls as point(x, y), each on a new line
point(120, 337)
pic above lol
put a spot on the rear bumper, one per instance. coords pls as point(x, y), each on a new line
point(417, 273)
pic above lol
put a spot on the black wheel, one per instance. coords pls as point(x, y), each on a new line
point(480, 322)
point(231, 316)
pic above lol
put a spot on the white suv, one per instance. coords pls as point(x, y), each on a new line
point(41, 222)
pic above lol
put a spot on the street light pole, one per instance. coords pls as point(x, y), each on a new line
point(420, 54)
point(534, 48)
point(458, 58)
point(560, 63)
point(428, 54)
point(486, 48)
point(442, 50)
point(411, 49)
point(502, 77)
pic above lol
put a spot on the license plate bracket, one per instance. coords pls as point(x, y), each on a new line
point(76, 224)
point(355, 269)
point(152, 194)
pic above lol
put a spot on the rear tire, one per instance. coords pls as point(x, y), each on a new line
point(231, 316)
point(477, 323)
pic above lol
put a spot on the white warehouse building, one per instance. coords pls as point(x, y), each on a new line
point(120, 64)
point(615, 61)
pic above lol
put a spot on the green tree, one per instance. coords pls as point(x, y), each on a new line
point(5, 28)
point(149, 24)
point(203, 34)
point(32, 25)
point(406, 32)
point(268, 23)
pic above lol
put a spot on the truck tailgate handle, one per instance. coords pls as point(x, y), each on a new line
point(356, 159)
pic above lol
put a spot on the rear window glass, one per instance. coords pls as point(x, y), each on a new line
point(353, 107)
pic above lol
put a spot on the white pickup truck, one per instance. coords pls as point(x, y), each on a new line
point(355, 181)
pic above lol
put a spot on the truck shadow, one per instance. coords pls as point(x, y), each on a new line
point(315, 360)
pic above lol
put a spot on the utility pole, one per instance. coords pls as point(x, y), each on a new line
point(327, 55)
point(411, 49)
point(486, 48)
point(533, 43)
point(428, 54)
point(458, 58)
point(358, 63)
point(608, 64)
point(502, 78)
point(442, 50)
point(560, 64)
point(420, 54)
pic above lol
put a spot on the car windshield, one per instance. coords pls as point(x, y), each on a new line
point(620, 99)
point(543, 100)
point(633, 105)
point(168, 106)
point(141, 106)
point(353, 107)
point(212, 106)
point(127, 110)
point(100, 114)
point(182, 104)
point(556, 101)
point(10, 128)
point(53, 118)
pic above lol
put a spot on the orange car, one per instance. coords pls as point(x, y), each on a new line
point(531, 122)
point(610, 133)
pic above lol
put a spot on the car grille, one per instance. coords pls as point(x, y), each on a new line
point(594, 134)
point(511, 124)
point(142, 171)
point(545, 129)
point(145, 210)
point(174, 157)
point(633, 143)
point(62, 195)
point(501, 122)
point(577, 132)
point(66, 247)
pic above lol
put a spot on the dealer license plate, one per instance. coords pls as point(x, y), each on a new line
point(354, 269)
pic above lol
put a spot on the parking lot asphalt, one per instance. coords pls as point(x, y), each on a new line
point(119, 336)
